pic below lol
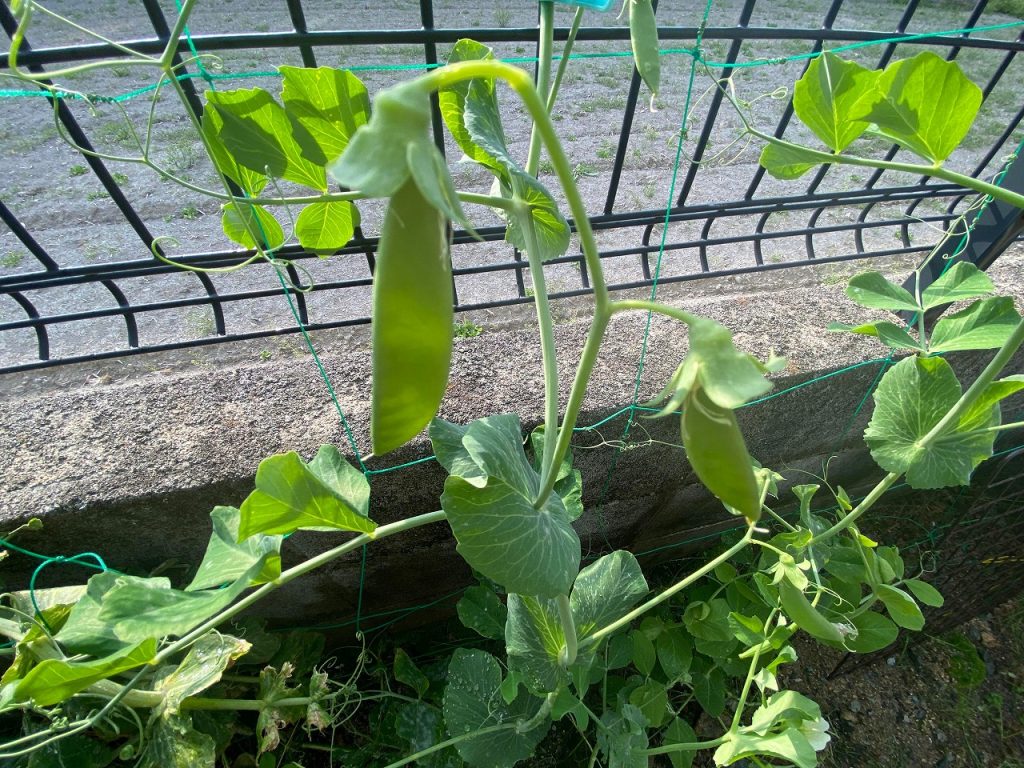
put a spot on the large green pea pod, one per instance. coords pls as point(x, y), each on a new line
point(412, 320)
point(714, 445)
point(806, 616)
point(643, 35)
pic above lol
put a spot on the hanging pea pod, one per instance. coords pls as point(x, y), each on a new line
point(643, 35)
point(412, 320)
point(806, 616)
point(714, 445)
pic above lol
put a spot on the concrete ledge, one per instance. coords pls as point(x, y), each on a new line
point(126, 458)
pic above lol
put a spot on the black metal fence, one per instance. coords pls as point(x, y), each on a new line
point(717, 206)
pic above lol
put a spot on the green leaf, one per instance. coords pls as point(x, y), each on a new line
point(226, 558)
point(202, 667)
point(643, 35)
point(790, 745)
point(960, 282)
point(249, 180)
point(709, 689)
point(874, 632)
point(605, 591)
point(430, 172)
point(980, 414)
point(257, 132)
point(624, 737)
point(453, 101)
point(828, 93)
point(407, 672)
point(483, 122)
point(901, 607)
point(787, 162)
point(651, 698)
point(644, 653)
point(675, 653)
point(174, 743)
point(149, 608)
point(550, 227)
point(328, 105)
point(324, 228)
point(910, 400)
point(730, 377)
point(240, 221)
point(925, 592)
point(985, 324)
point(413, 319)
point(446, 440)
point(680, 732)
point(927, 105)
point(84, 631)
point(472, 701)
point(52, 681)
point(534, 640)
point(422, 726)
point(376, 159)
point(481, 610)
point(872, 290)
point(500, 534)
point(326, 494)
point(890, 334)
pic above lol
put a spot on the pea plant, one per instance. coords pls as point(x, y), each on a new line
point(139, 670)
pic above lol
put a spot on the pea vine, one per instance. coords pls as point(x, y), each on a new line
point(134, 669)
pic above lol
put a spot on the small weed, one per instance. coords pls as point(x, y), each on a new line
point(200, 323)
point(120, 71)
point(265, 354)
point(606, 150)
point(96, 195)
point(11, 260)
point(117, 132)
point(583, 169)
point(520, 49)
point(467, 329)
point(590, 106)
point(546, 166)
point(120, 178)
point(78, 170)
point(502, 17)
point(190, 212)
point(649, 189)
point(181, 154)
point(261, 27)
point(1009, 7)
point(650, 133)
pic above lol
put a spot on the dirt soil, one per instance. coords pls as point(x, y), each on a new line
point(950, 701)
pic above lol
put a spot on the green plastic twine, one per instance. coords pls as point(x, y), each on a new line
point(306, 338)
point(693, 52)
point(657, 269)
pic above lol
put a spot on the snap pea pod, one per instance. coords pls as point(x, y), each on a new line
point(412, 320)
point(643, 35)
point(806, 616)
point(716, 451)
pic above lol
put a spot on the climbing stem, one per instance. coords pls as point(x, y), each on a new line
point(568, 629)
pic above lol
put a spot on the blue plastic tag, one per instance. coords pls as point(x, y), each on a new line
point(597, 5)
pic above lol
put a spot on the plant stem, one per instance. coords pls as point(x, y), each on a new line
point(1014, 425)
point(938, 171)
point(549, 355)
point(751, 671)
point(546, 43)
point(679, 585)
point(563, 63)
point(625, 305)
point(665, 749)
point(292, 573)
point(450, 742)
point(521, 83)
point(568, 629)
point(174, 39)
point(866, 503)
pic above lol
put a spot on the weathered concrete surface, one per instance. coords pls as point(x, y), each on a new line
point(126, 458)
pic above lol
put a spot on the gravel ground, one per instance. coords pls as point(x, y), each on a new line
point(42, 175)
